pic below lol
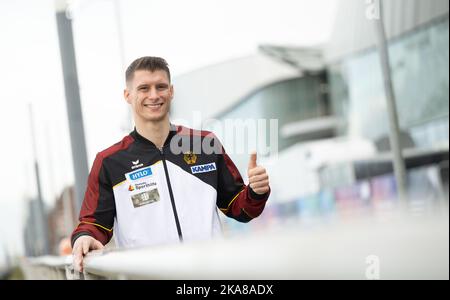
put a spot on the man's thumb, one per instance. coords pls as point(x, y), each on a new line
point(252, 162)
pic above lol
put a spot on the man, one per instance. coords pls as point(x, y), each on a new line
point(153, 193)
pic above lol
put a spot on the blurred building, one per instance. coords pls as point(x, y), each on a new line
point(418, 32)
point(333, 146)
point(62, 219)
point(35, 229)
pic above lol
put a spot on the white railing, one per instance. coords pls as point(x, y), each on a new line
point(387, 248)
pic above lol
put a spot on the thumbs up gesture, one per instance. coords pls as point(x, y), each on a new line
point(257, 176)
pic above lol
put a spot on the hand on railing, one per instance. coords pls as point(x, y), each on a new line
point(82, 246)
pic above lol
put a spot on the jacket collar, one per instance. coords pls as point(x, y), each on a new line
point(142, 140)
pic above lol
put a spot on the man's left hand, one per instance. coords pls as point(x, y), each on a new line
point(257, 176)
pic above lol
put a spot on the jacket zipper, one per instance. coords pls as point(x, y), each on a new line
point(172, 200)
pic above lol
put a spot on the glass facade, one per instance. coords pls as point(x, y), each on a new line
point(420, 73)
point(357, 93)
point(287, 101)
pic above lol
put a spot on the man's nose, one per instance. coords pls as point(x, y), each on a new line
point(153, 93)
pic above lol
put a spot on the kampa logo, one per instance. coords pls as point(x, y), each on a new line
point(136, 164)
point(204, 168)
point(141, 173)
point(131, 188)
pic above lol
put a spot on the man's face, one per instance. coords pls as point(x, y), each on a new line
point(149, 94)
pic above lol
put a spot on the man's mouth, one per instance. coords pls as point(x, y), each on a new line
point(154, 105)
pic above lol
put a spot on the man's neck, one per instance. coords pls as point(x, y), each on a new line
point(156, 132)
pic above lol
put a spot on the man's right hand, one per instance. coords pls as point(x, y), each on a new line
point(81, 247)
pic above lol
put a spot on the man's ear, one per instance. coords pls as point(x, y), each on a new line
point(126, 95)
point(171, 91)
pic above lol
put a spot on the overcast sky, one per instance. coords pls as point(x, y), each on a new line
point(189, 34)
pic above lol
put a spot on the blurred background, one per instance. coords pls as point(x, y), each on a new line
point(317, 67)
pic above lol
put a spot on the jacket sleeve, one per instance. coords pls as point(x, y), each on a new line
point(98, 208)
point(235, 199)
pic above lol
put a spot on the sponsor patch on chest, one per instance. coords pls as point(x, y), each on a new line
point(203, 168)
point(142, 187)
point(141, 173)
point(145, 198)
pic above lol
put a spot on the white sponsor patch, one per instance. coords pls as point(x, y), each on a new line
point(203, 168)
point(142, 187)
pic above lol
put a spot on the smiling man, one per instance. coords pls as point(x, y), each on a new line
point(150, 192)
